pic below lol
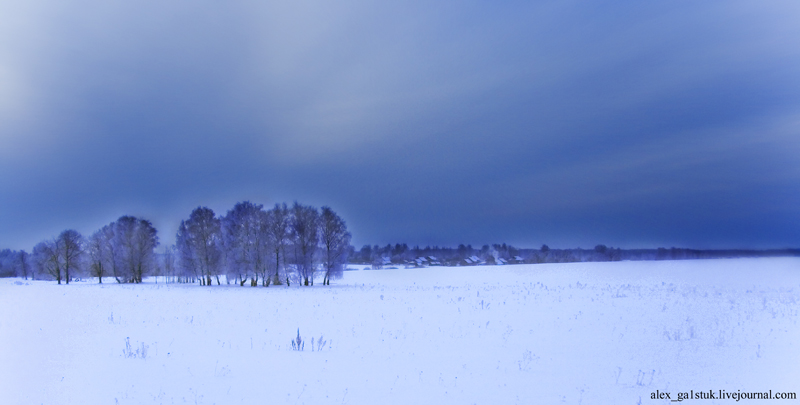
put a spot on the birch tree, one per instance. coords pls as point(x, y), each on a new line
point(241, 235)
point(304, 237)
point(278, 233)
point(133, 249)
point(70, 245)
point(335, 241)
point(45, 258)
point(199, 239)
point(100, 253)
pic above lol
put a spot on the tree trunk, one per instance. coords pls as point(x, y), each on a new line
point(277, 267)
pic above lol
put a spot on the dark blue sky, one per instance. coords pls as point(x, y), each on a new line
point(632, 124)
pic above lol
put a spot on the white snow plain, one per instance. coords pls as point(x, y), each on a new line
point(580, 333)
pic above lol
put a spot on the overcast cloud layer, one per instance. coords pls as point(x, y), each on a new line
point(633, 124)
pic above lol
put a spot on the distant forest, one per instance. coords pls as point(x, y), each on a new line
point(400, 255)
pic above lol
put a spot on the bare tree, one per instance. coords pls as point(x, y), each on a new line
point(188, 267)
point(133, 247)
point(335, 243)
point(199, 241)
point(100, 252)
point(242, 238)
point(262, 248)
point(70, 246)
point(168, 263)
point(304, 236)
point(45, 257)
point(278, 233)
point(23, 265)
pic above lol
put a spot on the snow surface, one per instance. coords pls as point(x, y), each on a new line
point(581, 333)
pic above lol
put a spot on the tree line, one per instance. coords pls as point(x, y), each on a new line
point(401, 254)
point(282, 245)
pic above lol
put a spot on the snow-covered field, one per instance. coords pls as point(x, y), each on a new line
point(583, 333)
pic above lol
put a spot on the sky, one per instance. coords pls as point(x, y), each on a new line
point(629, 124)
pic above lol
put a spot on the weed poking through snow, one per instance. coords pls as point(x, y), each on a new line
point(298, 344)
point(140, 352)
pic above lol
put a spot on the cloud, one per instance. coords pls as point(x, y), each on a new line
point(427, 121)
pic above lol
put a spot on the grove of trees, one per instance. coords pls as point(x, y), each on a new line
point(249, 244)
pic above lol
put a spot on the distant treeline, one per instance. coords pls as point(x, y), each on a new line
point(466, 255)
